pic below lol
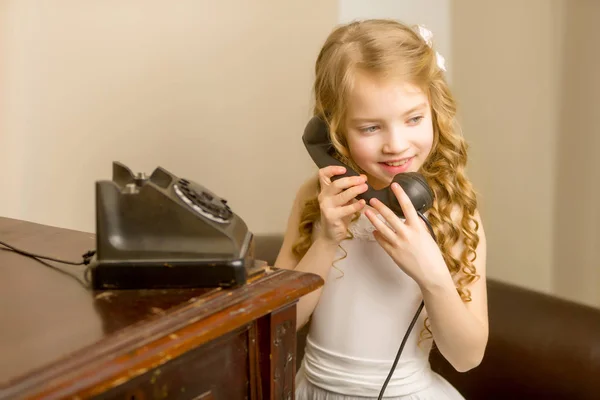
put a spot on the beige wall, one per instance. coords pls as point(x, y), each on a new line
point(220, 94)
point(216, 91)
point(528, 83)
point(577, 237)
point(432, 14)
point(506, 80)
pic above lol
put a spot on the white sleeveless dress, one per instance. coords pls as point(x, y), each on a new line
point(364, 310)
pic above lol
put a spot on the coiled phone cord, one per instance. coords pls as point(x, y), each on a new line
point(412, 323)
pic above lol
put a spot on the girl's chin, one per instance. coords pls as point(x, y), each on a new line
point(378, 183)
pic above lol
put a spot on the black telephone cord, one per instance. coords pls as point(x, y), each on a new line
point(412, 323)
point(87, 258)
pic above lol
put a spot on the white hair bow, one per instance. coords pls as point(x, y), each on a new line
point(427, 35)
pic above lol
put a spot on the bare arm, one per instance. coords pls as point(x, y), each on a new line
point(336, 207)
point(318, 258)
point(460, 329)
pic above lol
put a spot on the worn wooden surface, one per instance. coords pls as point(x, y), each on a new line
point(59, 339)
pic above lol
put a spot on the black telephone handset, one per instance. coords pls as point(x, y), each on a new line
point(318, 143)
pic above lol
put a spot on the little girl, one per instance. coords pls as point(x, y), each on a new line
point(380, 88)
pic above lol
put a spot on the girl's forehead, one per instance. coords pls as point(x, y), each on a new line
point(373, 95)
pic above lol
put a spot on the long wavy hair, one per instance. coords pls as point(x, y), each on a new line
point(390, 49)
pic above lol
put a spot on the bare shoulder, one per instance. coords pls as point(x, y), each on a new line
point(308, 190)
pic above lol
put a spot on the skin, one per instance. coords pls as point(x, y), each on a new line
point(391, 121)
point(387, 121)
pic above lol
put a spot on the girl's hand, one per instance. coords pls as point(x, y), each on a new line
point(337, 202)
point(409, 243)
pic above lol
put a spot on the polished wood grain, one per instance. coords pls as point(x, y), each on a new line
point(61, 340)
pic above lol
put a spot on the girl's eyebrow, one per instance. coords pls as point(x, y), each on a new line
point(418, 107)
point(360, 120)
point(415, 108)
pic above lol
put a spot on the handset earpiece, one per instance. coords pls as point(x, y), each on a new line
point(416, 188)
point(318, 144)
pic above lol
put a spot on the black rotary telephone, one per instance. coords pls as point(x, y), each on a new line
point(164, 231)
point(318, 143)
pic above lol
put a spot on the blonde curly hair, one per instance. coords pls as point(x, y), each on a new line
point(389, 48)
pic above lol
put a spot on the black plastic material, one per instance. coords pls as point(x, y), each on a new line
point(318, 144)
point(166, 232)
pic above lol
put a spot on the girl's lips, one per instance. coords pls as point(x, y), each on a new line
point(396, 170)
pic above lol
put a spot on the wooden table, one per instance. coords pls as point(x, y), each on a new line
point(60, 340)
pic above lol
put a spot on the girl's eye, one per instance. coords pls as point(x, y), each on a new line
point(369, 129)
point(415, 120)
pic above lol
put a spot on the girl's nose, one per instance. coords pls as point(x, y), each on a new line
point(395, 142)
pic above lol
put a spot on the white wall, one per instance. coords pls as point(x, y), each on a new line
point(218, 92)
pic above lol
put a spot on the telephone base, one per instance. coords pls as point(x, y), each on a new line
point(167, 275)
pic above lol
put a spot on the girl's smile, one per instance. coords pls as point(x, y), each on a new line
point(394, 167)
point(389, 129)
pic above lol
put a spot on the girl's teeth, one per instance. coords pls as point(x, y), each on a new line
point(397, 164)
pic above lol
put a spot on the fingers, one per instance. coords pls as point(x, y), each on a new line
point(340, 202)
point(384, 231)
point(339, 213)
point(342, 184)
point(325, 174)
point(387, 246)
point(388, 214)
point(337, 199)
point(340, 191)
point(352, 208)
point(407, 206)
point(349, 194)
